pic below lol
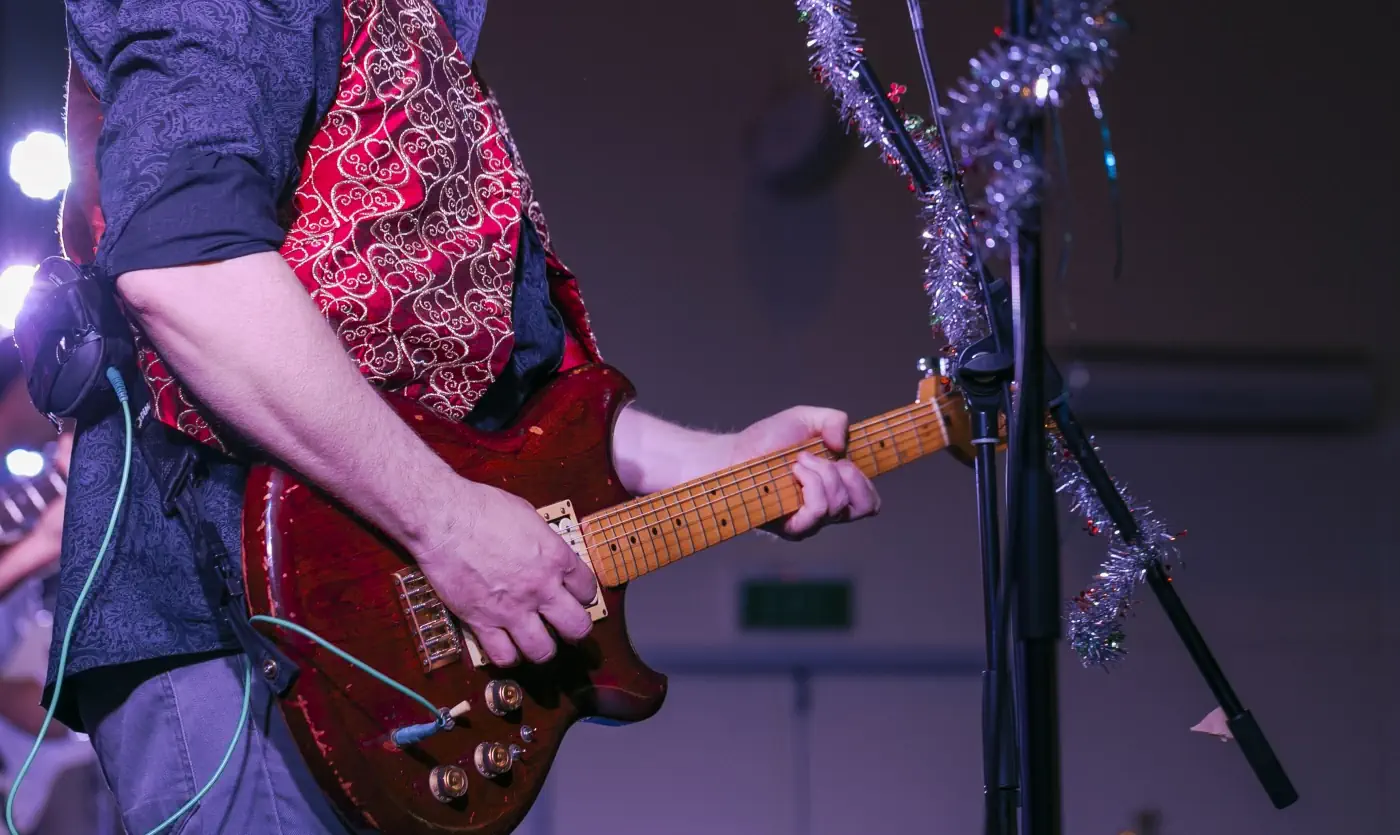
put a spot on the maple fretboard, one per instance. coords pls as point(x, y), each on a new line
point(640, 536)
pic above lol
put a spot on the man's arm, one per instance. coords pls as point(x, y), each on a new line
point(246, 339)
point(244, 336)
point(204, 111)
point(651, 454)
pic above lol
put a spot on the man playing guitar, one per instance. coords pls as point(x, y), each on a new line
point(284, 184)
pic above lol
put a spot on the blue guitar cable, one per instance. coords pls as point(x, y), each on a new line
point(408, 735)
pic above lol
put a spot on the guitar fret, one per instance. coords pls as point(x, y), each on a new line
point(637, 537)
point(894, 442)
point(639, 533)
point(34, 497)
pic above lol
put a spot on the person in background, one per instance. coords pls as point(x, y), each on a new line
point(65, 769)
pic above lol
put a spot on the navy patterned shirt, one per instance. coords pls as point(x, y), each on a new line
point(207, 107)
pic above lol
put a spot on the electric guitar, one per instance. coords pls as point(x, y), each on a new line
point(310, 560)
point(23, 500)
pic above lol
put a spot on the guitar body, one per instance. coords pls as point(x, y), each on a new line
point(310, 560)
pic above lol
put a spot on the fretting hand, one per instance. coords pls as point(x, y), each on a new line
point(832, 491)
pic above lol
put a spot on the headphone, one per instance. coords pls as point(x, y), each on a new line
point(69, 332)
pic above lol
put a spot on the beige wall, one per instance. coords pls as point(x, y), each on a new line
point(724, 304)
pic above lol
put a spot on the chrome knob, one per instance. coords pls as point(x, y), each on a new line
point(504, 696)
point(448, 782)
point(493, 759)
point(527, 733)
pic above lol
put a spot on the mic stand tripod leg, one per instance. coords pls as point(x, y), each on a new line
point(1243, 726)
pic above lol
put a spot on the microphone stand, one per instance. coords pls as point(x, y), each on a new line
point(1034, 557)
point(984, 371)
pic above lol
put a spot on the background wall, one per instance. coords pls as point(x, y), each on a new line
point(1251, 167)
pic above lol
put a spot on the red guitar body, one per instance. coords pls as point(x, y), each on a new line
point(310, 560)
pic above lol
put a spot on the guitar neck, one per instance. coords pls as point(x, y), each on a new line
point(640, 536)
point(23, 501)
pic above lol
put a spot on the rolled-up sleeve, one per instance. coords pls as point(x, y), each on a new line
point(206, 105)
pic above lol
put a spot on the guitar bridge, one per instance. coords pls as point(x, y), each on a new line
point(435, 632)
point(438, 638)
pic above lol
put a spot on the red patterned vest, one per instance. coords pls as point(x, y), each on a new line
point(405, 224)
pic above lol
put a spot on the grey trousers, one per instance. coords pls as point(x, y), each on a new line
point(159, 740)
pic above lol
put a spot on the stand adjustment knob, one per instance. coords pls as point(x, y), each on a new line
point(504, 696)
point(448, 782)
point(494, 759)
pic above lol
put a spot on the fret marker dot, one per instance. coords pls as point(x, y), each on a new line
point(654, 531)
point(882, 445)
point(632, 539)
point(614, 546)
point(723, 522)
point(765, 488)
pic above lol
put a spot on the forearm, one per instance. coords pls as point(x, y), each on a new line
point(651, 454)
point(20, 705)
point(246, 339)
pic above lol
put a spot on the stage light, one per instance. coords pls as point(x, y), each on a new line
point(14, 287)
point(24, 463)
point(1042, 89)
point(39, 163)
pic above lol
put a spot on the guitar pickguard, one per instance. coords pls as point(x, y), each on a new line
point(438, 637)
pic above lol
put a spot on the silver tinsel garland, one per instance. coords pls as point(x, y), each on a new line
point(950, 278)
point(1014, 78)
point(1008, 80)
point(1094, 618)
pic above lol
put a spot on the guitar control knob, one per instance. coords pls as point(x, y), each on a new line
point(504, 696)
point(448, 782)
point(493, 759)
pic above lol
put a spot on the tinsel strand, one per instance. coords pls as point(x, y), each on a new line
point(1008, 80)
point(1094, 618)
point(955, 292)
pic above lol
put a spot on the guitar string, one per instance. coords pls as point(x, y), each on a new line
point(911, 414)
point(895, 428)
point(639, 515)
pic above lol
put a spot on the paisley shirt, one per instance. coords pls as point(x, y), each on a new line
point(356, 139)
